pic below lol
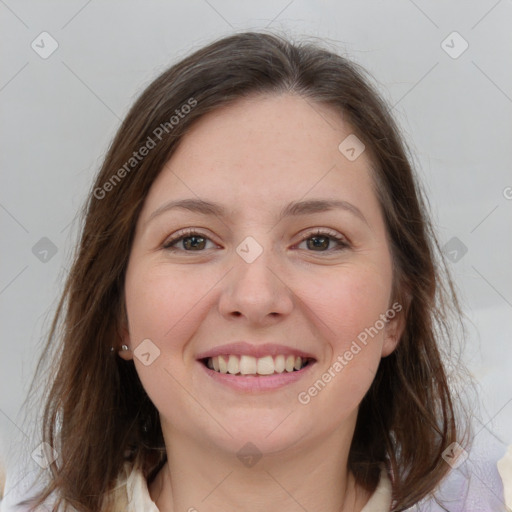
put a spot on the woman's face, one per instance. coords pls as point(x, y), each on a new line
point(261, 242)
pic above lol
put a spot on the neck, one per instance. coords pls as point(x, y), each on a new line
point(197, 478)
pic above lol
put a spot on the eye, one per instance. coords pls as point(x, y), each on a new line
point(324, 241)
point(188, 241)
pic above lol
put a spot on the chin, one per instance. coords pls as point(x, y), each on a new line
point(266, 436)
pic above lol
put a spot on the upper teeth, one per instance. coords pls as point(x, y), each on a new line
point(249, 365)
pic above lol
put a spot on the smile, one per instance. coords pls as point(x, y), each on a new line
point(261, 366)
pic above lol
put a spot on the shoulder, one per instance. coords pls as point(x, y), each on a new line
point(18, 485)
point(381, 498)
point(137, 492)
point(480, 481)
point(505, 471)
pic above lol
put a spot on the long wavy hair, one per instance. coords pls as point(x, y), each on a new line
point(96, 413)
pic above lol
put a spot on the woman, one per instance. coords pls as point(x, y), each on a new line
point(256, 312)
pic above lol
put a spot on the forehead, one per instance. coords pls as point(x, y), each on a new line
point(263, 151)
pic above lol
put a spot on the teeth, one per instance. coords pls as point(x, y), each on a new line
point(233, 366)
point(249, 365)
point(266, 365)
point(279, 364)
point(223, 365)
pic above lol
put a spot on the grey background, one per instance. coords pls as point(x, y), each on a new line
point(60, 113)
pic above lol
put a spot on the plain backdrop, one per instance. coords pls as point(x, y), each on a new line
point(451, 94)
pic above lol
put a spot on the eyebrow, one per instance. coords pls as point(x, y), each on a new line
point(295, 208)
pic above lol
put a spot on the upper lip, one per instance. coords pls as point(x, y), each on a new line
point(242, 348)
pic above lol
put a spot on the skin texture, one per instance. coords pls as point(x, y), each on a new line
point(255, 157)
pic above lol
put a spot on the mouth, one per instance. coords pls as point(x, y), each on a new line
point(255, 368)
point(246, 365)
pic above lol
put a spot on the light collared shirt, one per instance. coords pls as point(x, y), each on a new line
point(139, 499)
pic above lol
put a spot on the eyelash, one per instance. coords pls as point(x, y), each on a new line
point(181, 235)
point(342, 242)
point(339, 239)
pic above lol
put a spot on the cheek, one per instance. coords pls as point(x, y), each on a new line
point(348, 302)
point(162, 303)
point(348, 309)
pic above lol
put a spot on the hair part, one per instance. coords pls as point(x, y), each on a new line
point(97, 414)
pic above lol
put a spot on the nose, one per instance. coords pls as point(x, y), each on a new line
point(256, 292)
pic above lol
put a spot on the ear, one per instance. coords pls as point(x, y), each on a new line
point(394, 329)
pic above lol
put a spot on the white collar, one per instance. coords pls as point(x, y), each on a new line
point(139, 499)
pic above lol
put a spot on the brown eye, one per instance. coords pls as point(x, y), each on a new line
point(318, 243)
point(194, 243)
point(188, 242)
point(324, 241)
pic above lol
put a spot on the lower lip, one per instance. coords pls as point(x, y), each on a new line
point(252, 383)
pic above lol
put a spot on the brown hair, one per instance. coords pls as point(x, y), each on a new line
point(97, 414)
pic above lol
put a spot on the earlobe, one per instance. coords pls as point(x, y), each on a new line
point(394, 330)
point(390, 344)
point(125, 351)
